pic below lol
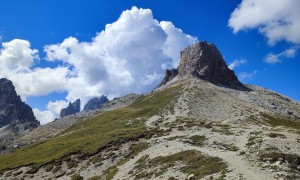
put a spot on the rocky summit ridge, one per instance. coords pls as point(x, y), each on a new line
point(204, 61)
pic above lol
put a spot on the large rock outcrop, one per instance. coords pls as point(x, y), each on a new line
point(14, 113)
point(95, 103)
point(71, 109)
point(204, 61)
point(169, 75)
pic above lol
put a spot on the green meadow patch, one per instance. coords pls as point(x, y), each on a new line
point(88, 137)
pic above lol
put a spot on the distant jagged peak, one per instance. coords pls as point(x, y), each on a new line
point(95, 103)
point(71, 109)
point(204, 61)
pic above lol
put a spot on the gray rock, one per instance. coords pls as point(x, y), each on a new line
point(95, 103)
point(204, 61)
point(169, 75)
point(71, 109)
point(191, 177)
point(13, 112)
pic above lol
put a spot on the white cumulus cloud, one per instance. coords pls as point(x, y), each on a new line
point(129, 55)
point(16, 61)
point(17, 56)
point(278, 20)
point(176, 41)
point(52, 112)
point(43, 116)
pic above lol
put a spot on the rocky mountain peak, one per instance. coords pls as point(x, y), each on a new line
point(95, 103)
point(7, 88)
point(71, 109)
point(204, 61)
point(13, 112)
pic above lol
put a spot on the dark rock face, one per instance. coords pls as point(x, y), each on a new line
point(71, 109)
point(169, 75)
point(95, 103)
point(13, 111)
point(204, 61)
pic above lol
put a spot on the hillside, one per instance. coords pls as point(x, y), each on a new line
point(201, 123)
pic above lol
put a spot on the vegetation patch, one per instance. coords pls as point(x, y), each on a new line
point(156, 132)
point(223, 129)
point(197, 140)
point(8, 174)
point(34, 169)
point(232, 147)
point(48, 168)
point(276, 120)
point(133, 151)
point(110, 172)
point(96, 159)
point(186, 122)
point(255, 120)
point(276, 135)
point(56, 169)
point(17, 173)
point(90, 136)
point(176, 137)
point(72, 164)
point(76, 177)
point(252, 140)
point(137, 148)
point(292, 159)
point(95, 178)
point(60, 175)
point(191, 162)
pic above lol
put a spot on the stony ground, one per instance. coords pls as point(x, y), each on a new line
point(256, 133)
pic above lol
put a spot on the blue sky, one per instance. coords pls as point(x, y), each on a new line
point(54, 51)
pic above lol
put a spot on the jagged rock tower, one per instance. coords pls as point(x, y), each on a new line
point(204, 61)
point(71, 109)
point(13, 112)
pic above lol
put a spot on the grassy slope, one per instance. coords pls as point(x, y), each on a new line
point(93, 134)
point(192, 162)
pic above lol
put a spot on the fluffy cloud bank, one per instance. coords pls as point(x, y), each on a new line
point(278, 20)
point(16, 61)
point(52, 112)
point(129, 55)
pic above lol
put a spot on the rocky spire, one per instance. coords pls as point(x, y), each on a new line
point(13, 112)
point(71, 109)
point(204, 61)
